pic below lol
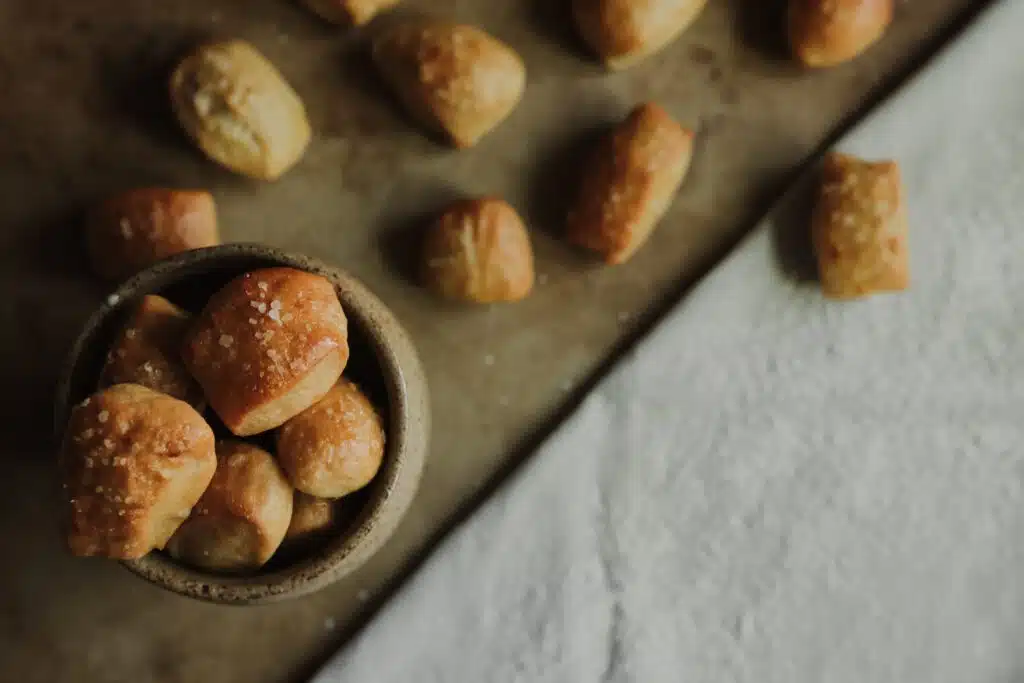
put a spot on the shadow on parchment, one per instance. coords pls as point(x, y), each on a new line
point(762, 26)
point(136, 82)
point(553, 19)
point(402, 233)
point(790, 224)
point(360, 103)
point(43, 329)
point(59, 246)
point(554, 185)
point(40, 318)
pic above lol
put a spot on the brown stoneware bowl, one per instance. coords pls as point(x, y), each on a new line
point(383, 362)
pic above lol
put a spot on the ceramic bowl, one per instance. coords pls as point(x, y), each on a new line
point(383, 362)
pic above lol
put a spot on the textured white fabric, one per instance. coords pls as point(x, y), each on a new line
point(774, 488)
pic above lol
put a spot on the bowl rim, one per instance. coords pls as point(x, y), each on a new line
point(407, 431)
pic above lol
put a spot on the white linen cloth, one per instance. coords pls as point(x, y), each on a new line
point(773, 487)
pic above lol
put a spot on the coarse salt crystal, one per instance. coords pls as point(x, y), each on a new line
point(103, 416)
point(226, 340)
point(113, 299)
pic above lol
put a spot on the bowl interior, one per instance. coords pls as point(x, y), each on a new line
point(189, 280)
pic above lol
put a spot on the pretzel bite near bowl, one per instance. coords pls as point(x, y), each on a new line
point(268, 345)
point(479, 251)
point(133, 230)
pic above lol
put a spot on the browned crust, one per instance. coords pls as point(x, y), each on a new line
point(239, 109)
point(479, 251)
point(260, 335)
point(349, 12)
point(247, 480)
point(243, 514)
point(312, 518)
point(336, 446)
point(133, 230)
point(624, 32)
point(825, 33)
point(859, 228)
point(133, 463)
point(456, 79)
point(147, 352)
point(630, 183)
